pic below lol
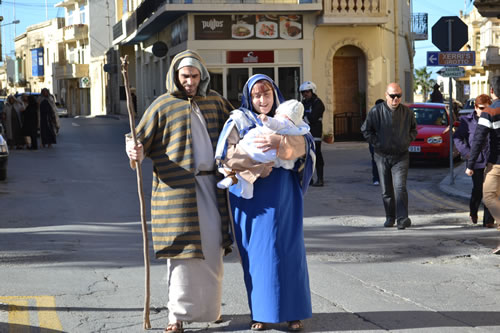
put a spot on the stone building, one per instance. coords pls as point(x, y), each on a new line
point(350, 48)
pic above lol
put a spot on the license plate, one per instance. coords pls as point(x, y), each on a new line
point(414, 149)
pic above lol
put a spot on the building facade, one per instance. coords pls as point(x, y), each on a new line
point(83, 43)
point(35, 52)
point(484, 39)
point(67, 55)
point(350, 49)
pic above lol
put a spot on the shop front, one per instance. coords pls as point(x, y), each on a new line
point(244, 45)
point(229, 78)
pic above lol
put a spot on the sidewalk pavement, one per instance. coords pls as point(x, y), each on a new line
point(462, 184)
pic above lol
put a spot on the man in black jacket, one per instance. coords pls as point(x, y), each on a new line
point(390, 127)
point(313, 115)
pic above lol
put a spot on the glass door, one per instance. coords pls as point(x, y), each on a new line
point(269, 71)
point(289, 82)
point(236, 79)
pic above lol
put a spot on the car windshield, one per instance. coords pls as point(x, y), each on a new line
point(430, 116)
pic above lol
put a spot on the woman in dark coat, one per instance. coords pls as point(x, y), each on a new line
point(48, 120)
point(463, 141)
point(30, 126)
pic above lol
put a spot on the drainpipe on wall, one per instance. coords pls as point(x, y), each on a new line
point(396, 42)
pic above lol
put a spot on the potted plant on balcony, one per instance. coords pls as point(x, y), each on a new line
point(328, 138)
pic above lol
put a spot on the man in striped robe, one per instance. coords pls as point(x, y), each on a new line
point(190, 219)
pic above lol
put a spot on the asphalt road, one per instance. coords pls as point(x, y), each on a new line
point(71, 247)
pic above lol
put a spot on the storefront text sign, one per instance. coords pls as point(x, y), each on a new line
point(248, 26)
point(212, 27)
point(243, 57)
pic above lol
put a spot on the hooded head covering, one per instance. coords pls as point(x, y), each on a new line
point(293, 109)
point(246, 101)
point(183, 59)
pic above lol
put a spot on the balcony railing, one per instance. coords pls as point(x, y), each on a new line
point(75, 32)
point(355, 12)
point(71, 71)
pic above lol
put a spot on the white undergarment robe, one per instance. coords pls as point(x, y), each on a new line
point(195, 285)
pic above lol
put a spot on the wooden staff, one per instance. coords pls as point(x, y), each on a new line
point(138, 168)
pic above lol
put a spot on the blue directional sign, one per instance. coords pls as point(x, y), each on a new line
point(464, 58)
point(432, 58)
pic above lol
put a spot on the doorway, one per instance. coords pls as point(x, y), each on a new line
point(349, 89)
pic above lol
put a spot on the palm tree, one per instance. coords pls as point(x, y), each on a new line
point(422, 79)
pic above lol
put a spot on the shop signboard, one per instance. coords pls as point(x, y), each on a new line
point(248, 27)
point(246, 57)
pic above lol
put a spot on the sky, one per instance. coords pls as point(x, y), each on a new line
point(435, 10)
point(30, 12)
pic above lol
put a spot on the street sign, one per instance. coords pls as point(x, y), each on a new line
point(453, 72)
point(464, 58)
point(442, 29)
point(432, 58)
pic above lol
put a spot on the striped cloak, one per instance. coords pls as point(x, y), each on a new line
point(165, 133)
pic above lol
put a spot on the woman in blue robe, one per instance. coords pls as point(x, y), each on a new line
point(269, 227)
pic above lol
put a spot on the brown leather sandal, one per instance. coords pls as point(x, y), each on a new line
point(258, 326)
point(295, 325)
point(174, 327)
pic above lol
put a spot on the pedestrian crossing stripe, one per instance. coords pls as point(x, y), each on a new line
point(19, 307)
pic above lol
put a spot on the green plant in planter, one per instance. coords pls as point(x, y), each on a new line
point(328, 138)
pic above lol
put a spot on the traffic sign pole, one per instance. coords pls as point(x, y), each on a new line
point(452, 114)
point(452, 43)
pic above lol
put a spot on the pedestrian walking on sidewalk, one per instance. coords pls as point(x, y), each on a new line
point(463, 141)
point(313, 115)
point(49, 120)
point(390, 127)
point(190, 216)
point(269, 226)
point(488, 124)
point(13, 110)
point(30, 128)
point(436, 96)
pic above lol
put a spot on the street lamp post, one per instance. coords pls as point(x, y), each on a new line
point(2, 25)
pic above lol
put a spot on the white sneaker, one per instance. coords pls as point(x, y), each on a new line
point(376, 183)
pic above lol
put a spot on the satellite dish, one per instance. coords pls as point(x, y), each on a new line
point(160, 49)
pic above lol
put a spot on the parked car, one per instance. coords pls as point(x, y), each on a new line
point(468, 107)
point(62, 111)
point(4, 154)
point(433, 138)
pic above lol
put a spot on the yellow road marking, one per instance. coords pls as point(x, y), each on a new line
point(445, 201)
point(19, 312)
point(435, 200)
point(18, 316)
point(48, 318)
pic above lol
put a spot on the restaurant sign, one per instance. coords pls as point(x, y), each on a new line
point(248, 27)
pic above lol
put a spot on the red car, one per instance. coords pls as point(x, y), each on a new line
point(433, 138)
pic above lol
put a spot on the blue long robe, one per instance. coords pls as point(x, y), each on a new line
point(269, 234)
point(269, 227)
